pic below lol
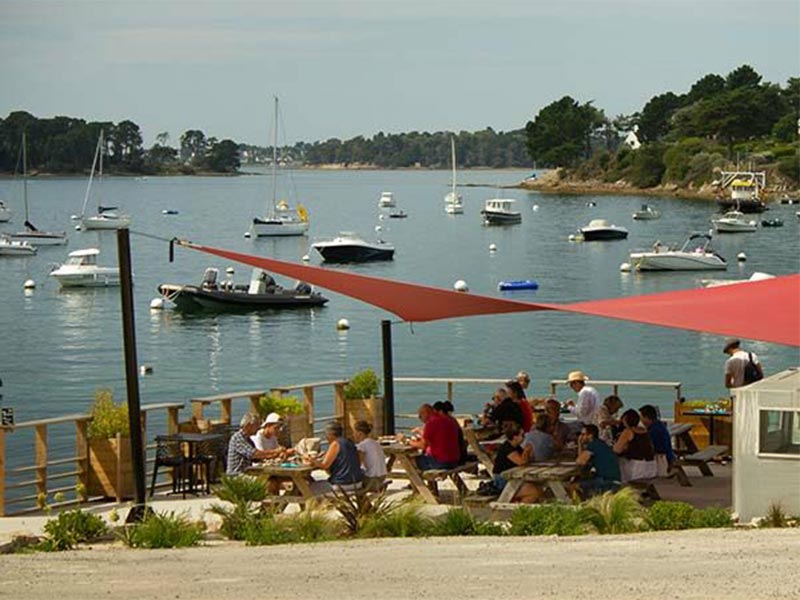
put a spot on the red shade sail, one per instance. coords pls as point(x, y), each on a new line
point(767, 310)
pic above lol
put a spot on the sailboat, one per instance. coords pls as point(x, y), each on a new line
point(31, 234)
point(106, 217)
point(281, 220)
point(452, 201)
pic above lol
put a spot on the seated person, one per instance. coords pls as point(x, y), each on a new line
point(241, 450)
point(607, 421)
point(596, 454)
point(517, 394)
point(659, 435)
point(524, 381)
point(539, 441)
point(447, 409)
point(633, 446)
point(439, 440)
point(370, 453)
point(509, 455)
point(555, 426)
point(340, 461)
point(266, 438)
point(502, 410)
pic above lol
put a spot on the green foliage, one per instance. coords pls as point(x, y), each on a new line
point(560, 133)
point(404, 520)
point(363, 384)
point(785, 128)
point(304, 527)
point(357, 509)
point(654, 122)
point(277, 403)
point(664, 516)
point(163, 530)
point(648, 166)
point(459, 521)
point(790, 168)
point(618, 512)
point(547, 519)
point(108, 418)
point(744, 76)
point(245, 494)
point(712, 517)
point(775, 517)
point(223, 157)
point(266, 531)
point(70, 528)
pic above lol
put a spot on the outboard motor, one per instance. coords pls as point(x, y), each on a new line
point(302, 288)
point(210, 279)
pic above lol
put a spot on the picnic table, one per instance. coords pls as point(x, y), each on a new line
point(476, 436)
point(299, 475)
point(550, 476)
point(424, 483)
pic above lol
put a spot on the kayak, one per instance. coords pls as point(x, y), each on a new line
point(522, 284)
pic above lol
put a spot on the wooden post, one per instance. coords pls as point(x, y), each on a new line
point(254, 403)
point(41, 459)
point(616, 390)
point(2, 471)
point(225, 410)
point(308, 407)
point(338, 400)
point(172, 419)
point(82, 453)
point(678, 392)
point(450, 391)
point(553, 389)
point(197, 410)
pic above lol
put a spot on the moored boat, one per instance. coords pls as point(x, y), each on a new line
point(500, 211)
point(733, 221)
point(386, 200)
point(696, 254)
point(745, 193)
point(600, 230)
point(82, 270)
point(107, 217)
point(5, 213)
point(348, 247)
point(646, 213)
point(9, 247)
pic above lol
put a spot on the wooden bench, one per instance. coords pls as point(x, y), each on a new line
point(684, 442)
point(433, 476)
point(699, 459)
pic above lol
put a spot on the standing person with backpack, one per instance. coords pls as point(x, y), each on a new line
point(742, 368)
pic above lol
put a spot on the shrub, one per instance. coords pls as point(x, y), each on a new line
point(305, 527)
point(163, 530)
point(663, 516)
point(245, 494)
point(266, 531)
point(459, 521)
point(648, 166)
point(357, 509)
point(714, 517)
point(547, 519)
point(277, 403)
point(790, 168)
point(363, 384)
point(108, 417)
point(70, 528)
point(403, 520)
point(310, 526)
point(775, 517)
point(618, 512)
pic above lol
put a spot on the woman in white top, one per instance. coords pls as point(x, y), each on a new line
point(373, 461)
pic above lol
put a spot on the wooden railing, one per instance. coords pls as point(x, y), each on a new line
point(43, 465)
point(616, 384)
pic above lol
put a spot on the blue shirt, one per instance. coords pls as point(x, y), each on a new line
point(542, 444)
point(604, 460)
point(662, 442)
point(346, 467)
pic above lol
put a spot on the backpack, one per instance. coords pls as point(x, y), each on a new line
point(751, 372)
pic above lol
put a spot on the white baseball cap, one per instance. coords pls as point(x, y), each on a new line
point(271, 419)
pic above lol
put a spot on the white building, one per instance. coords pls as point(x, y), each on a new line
point(632, 140)
point(766, 446)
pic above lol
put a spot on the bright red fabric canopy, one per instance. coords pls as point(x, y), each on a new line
point(767, 310)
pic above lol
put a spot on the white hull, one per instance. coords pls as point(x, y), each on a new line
point(451, 208)
point(5, 215)
point(279, 228)
point(41, 238)
point(98, 277)
point(13, 248)
point(676, 261)
point(722, 226)
point(643, 215)
point(383, 203)
point(105, 222)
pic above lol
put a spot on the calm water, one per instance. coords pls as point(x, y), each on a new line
point(57, 347)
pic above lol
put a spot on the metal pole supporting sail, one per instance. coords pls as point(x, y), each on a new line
point(388, 378)
point(138, 510)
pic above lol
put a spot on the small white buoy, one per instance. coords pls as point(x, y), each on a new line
point(741, 257)
point(492, 247)
point(306, 258)
point(157, 304)
point(381, 217)
point(342, 325)
point(77, 227)
point(378, 228)
point(229, 271)
point(146, 370)
point(247, 235)
point(573, 238)
point(535, 207)
point(625, 267)
point(29, 284)
point(461, 286)
point(74, 217)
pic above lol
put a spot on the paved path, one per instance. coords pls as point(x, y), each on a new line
point(705, 564)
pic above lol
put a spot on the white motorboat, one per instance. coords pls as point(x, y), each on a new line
point(733, 221)
point(646, 213)
point(757, 276)
point(695, 255)
point(348, 247)
point(9, 247)
point(386, 200)
point(107, 217)
point(82, 270)
point(281, 221)
point(601, 230)
point(500, 211)
point(453, 203)
point(5, 212)
point(32, 235)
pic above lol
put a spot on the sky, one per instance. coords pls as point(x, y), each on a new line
point(343, 68)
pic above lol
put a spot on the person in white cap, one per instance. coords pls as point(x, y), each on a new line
point(266, 438)
point(742, 368)
point(588, 404)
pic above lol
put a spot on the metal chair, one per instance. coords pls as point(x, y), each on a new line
point(169, 453)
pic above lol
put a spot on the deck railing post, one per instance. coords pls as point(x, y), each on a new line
point(338, 400)
point(450, 391)
point(308, 407)
point(552, 389)
point(41, 461)
point(255, 403)
point(172, 419)
point(197, 410)
point(82, 454)
point(225, 410)
point(2, 471)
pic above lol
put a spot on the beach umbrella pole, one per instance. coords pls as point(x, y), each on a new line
point(388, 378)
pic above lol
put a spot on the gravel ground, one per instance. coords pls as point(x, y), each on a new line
point(703, 564)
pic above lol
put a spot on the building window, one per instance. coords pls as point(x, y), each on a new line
point(779, 432)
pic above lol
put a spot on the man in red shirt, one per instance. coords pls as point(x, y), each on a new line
point(439, 440)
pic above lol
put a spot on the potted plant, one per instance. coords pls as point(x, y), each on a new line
point(362, 403)
point(110, 468)
point(292, 412)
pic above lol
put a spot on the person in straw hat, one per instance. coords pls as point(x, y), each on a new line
point(588, 404)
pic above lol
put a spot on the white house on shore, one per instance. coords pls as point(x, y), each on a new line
point(766, 446)
point(632, 140)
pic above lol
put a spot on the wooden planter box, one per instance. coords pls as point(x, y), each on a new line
point(363, 409)
point(110, 468)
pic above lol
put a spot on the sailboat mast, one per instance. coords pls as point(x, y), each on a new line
point(453, 158)
point(275, 159)
point(91, 175)
point(25, 175)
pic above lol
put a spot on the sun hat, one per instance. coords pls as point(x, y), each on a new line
point(271, 419)
point(730, 343)
point(576, 376)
